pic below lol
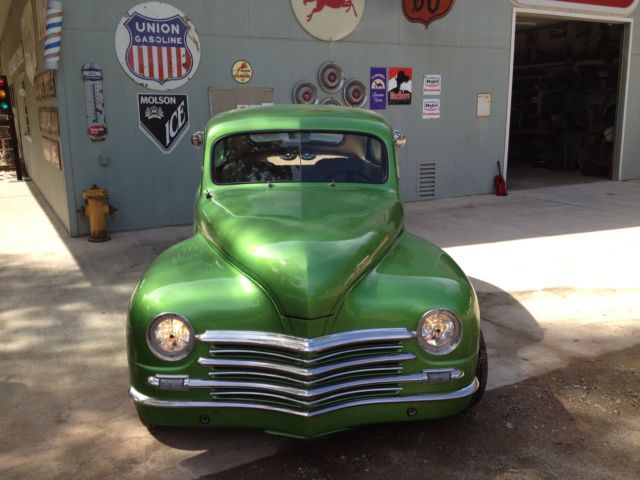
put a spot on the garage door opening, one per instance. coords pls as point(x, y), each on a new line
point(566, 101)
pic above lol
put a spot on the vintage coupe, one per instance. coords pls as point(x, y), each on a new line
point(301, 305)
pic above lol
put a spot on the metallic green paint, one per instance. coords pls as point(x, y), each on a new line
point(298, 245)
point(305, 260)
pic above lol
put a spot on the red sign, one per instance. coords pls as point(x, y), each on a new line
point(426, 11)
point(97, 131)
point(603, 6)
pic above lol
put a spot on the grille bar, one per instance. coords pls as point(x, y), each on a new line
point(310, 393)
point(304, 345)
point(264, 376)
point(253, 396)
point(253, 352)
point(300, 373)
point(306, 373)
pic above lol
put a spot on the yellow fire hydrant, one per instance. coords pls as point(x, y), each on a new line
point(96, 209)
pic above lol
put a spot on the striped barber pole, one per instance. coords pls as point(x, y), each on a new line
point(53, 35)
point(158, 48)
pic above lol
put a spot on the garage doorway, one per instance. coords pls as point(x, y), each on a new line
point(567, 99)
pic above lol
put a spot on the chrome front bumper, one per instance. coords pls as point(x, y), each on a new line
point(144, 400)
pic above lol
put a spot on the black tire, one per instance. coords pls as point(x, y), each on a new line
point(482, 372)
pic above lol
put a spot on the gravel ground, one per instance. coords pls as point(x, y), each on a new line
point(582, 421)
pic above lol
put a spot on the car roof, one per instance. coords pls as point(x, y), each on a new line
point(298, 117)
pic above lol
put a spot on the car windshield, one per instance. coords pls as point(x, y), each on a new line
point(299, 157)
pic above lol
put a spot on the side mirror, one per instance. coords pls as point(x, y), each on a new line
point(197, 139)
point(399, 140)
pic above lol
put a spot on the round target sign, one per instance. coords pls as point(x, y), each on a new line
point(242, 71)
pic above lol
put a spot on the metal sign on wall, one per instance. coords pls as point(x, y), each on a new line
point(328, 20)
point(163, 118)
point(94, 101)
point(616, 7)
point(158, 46)
point(426, 11)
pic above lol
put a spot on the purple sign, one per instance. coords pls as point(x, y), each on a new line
point(378, 88)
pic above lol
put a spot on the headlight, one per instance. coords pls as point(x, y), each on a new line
point(439, 332)
point(170, 337)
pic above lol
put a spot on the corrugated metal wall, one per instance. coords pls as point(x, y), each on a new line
point(470, 48)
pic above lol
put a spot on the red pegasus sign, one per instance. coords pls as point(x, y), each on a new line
point(426, 11)
point(321, 4)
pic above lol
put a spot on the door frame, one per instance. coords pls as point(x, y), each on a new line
point(623, 83)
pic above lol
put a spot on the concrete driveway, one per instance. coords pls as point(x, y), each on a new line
point(556, 271)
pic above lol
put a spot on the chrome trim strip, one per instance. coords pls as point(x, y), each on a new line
point(312, 403)
point(305, 393)
point(307, 373)
point(467, 391)
point(372, 349)
point(303, 383)
point(303, 345)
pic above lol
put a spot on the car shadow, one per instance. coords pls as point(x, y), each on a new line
point(557, 425)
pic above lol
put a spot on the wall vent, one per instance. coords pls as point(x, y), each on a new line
point(427, 180)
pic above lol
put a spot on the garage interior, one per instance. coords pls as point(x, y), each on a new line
point(566, 81)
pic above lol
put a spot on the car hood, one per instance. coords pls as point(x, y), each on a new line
point(306, 247)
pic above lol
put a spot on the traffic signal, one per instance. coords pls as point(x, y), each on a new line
point(5, 98)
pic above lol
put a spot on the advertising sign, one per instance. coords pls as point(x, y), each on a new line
point(328, 20)
point(158, 46)
point(430, 108)
point(426, 11)
point(614, 7)
point(29, 43)
point(163, 118)
point(242, 71)
point(432, 85)
point(400, 85)
point(378, 88)
point(94, 101)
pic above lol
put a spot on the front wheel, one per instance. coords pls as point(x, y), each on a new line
point(482, 372)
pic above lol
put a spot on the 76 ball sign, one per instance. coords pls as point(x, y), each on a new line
point(163, 118)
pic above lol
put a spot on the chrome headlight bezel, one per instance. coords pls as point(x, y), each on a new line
point(163, 354)
point(449, 346)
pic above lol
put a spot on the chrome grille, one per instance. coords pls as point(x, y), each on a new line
point(304, 374)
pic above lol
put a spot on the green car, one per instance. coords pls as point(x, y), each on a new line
point(301, 305)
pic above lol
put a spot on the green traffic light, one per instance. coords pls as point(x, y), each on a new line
point(4, 106)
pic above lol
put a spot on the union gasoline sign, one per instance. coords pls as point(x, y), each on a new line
point(163, 118)
point(157, 46)
point(426, 11)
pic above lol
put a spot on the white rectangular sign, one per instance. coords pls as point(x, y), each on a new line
point(484, 105)
point(430, 108)
point(432, 85)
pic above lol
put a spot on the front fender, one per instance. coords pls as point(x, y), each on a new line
point(193, 280)
point(413, 278)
